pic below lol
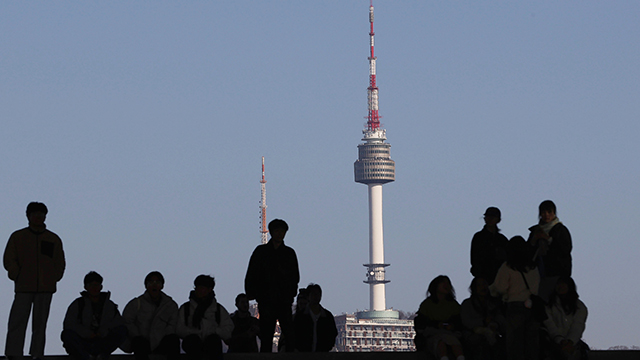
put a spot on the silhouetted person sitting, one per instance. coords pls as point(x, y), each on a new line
point(567, 319)
point(315, 327)
point(437, 323)
point(93, 326)
point(202, 322)
point(151, 320)
point(488, 247)
point(482, 317)
point(245, 328)
point(272, 279)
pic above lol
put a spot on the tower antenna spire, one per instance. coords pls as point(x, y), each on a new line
point(263, 207)
point(373, 116)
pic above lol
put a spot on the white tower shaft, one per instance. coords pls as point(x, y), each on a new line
point(377, 299)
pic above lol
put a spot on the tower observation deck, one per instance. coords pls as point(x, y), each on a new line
point(374, 168)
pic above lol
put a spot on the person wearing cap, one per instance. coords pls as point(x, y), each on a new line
point(488, 247)
point(34, 260)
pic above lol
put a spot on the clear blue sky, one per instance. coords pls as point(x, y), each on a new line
point(141, 125)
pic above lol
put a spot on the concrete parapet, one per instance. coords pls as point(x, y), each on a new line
point(593, 355)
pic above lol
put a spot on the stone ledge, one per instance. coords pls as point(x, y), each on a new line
point(593, 355)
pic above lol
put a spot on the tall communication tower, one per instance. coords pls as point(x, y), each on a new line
point(263, 207)
point(374, 168)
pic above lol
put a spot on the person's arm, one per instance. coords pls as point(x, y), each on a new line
point(252, 278)
point(59, 262)
point(470, 318)
point(500, 285)
point(111, 318)
point(183, 329)
point(476, 256)
point(170, 318)
point(552, 328)
point(129, 315)
point(561, 240)
point(74, 321)
point(225, 328)
point(10, 259)
point(579, 323)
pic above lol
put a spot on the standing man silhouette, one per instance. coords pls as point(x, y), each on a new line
point(34, 260)
point(272, 280)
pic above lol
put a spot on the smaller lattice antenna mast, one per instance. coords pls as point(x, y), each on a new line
point(263, 207)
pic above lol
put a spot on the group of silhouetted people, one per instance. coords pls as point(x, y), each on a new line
point(152, 323)
point(523, 304)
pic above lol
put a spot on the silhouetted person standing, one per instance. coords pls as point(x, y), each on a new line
point(488, 247)
point(34, 260)
point(551, 244)
point(272, 279)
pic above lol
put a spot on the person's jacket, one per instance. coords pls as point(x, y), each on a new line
point(557, 261)
point(34, 260)
point(273, 275)
point(216, 321)
point(561, 326)
point(79, 316)
point(326, 331)
point(153, 322)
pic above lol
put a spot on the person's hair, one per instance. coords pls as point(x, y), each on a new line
point(518, 254)
point(240, 296)
point(153, 274)
point(570, 301)
point(474, 284)
point(547, 205)
point(35, 207)
point(312, 287)
point(303, 293)
point(432, 290)
point(205, 280)
point(278, 224)
point(92, 276)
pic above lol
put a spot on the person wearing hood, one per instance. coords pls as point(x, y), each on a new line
point(151, 320)
point(93, 326)
point(202, 322)
point(34, 260)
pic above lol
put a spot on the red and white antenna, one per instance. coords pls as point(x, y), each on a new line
point(263, 207)
point(373, 118)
